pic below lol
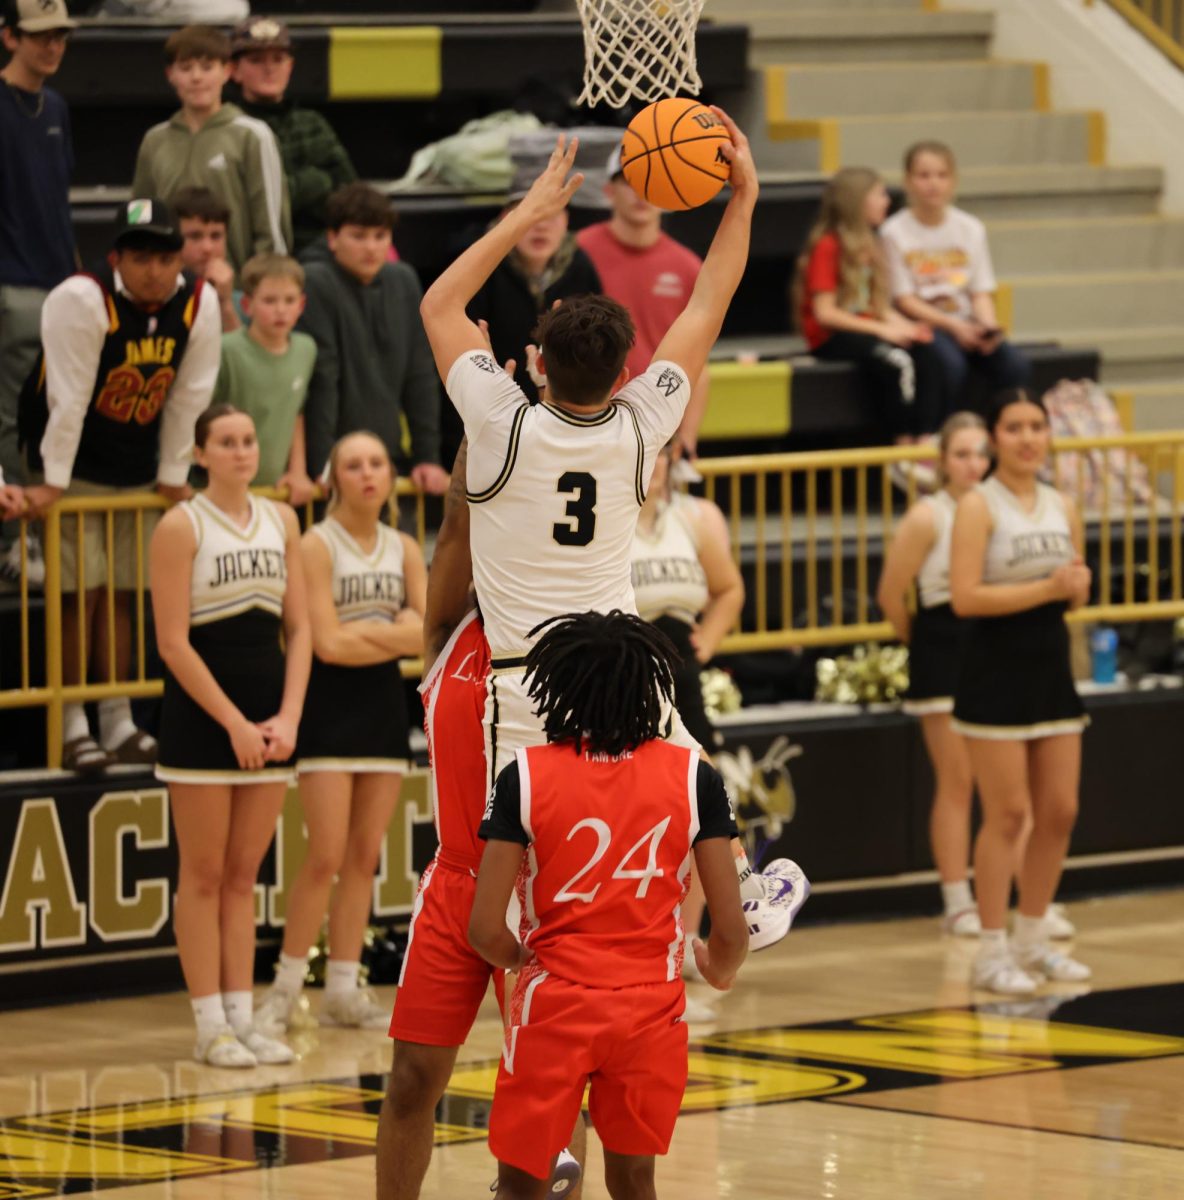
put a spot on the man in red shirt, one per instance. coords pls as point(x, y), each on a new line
point(651, 274)
point(606, 816)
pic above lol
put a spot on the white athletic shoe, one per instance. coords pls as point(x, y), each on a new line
point(699, 1012)
point(268, 1051)
point(1057, 924)
point(356, 1009)
point(273, 1014)
point(566, 1175)
point(1054, 965)
point(785, 885)
point(1001, 973)
point(964, 923)
point(222, 1049)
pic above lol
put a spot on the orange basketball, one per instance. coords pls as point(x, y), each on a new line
point(671, 153)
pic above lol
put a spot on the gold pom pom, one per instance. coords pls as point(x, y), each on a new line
point(871, 674)
point(720, 693)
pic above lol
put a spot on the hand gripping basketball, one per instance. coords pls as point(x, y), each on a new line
point(552, 191)
point(743, 177)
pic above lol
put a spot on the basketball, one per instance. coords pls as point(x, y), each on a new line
point(672, 153)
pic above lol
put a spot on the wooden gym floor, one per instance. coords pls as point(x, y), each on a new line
point(853, 1060)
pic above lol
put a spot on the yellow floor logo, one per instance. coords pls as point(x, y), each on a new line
point(83, 1149)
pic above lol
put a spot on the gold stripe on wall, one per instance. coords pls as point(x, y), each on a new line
point(385, 62)
point(748, 400)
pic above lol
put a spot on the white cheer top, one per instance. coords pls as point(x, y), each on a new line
point(366, 587)
point(667, 577)
point(933, 579)
point(235, 569)
point(1025, 546)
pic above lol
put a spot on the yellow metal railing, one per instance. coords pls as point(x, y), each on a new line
point(1161, 22)
point(811, 527)
point(65, 523)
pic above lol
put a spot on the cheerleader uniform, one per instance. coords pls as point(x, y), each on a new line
point(670, 587)
point(1015, 680)
point(935, 645)
point(236, 606)
point(355, 718)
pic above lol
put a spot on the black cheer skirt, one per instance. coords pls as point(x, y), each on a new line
point(355, 719)
point(688, 691)
point(244, 655)
point(935, 654)
point(1015, 680)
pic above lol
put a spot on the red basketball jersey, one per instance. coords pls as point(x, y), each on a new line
point(609, 860)
point(453, 705)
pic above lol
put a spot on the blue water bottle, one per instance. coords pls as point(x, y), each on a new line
point(1103, 645)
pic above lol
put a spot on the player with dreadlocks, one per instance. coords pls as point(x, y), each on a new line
point(607, 815)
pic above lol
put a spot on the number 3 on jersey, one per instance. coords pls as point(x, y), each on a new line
point(604, 838)
point(581, 509)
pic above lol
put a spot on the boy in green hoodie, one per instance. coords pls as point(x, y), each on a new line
point(217, 146)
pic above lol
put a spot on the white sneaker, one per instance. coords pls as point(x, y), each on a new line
point(356, 1009)
point(1057, 924)
point(222, 1049)
point(1001, 973)
point(1055, 965)
point(10, 562)
point(785, 886)
point(273, 1014)
point(964, 923)
point(767, 923)
point(268, 1051)
point(566, 1175)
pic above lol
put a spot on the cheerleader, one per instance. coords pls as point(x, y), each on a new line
point(1015, 567)
point(920, 553)
point(366, 593)
point(227, 581)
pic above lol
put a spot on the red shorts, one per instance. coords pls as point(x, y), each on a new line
point(629, 1043)
point(444, 979)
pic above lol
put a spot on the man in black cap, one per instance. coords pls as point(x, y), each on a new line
point(129, 359)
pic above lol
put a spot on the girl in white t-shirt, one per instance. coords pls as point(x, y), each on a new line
point(940, 272)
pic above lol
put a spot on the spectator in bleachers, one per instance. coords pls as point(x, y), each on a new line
point(940, 273)
point(266, 369)
point(203, 219)
point(211, 144)
point(374, 365)
point(842, 302)
point(36, 236)
point(315, 161)
point(651, 274)
point(129, 358)
point(546, 265)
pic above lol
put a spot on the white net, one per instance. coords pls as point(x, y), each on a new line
point(638, 49)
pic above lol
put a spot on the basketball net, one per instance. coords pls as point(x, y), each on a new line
point(638, 49)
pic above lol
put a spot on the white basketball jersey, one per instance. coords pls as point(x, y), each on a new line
point(1025, 545)
point(235, 569)
point(933, 579)
point(668, 579)
point(554, 497)
point(366, 587)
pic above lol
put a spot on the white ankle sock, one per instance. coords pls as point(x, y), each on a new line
point(289, 972)
point(115, 722)
point(992, 941)
point(240, 1009)
point(341, 976)
point(74, 722)
point(750, 884)
point(1028, 930)
point(957, 897)
point(208, 1013)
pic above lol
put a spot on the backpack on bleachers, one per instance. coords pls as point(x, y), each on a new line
point(1094, 478)
point(475, 158)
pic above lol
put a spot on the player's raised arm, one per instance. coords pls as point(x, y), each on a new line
point(449, 329)
point(690, 339)
point(451, 576)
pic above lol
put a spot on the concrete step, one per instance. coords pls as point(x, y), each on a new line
point(1132, 356)
point(1115, 243)
point(864, 34)
point(1118, 301)
point(978, 139)
point(864, 89)
point(744, 10)
point(1081, 190)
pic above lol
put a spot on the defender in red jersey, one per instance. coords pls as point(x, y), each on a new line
point(607, 817)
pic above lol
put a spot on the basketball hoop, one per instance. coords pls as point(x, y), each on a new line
point(638, 49)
